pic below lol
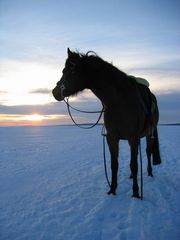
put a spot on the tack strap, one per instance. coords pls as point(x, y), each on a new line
point(66, 100)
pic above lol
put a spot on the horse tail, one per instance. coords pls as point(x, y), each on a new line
point(155, 148)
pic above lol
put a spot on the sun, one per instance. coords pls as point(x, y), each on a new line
point(34, 117)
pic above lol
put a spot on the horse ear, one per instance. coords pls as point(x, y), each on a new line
point(69, 53)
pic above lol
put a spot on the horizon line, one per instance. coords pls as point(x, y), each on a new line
point(81, 124)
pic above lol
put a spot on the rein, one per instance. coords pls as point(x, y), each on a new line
point(66, 100)
point(141, 167)
point(103, 133)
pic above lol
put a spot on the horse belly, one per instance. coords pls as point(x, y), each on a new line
point(122, 126)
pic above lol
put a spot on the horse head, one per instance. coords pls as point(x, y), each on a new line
point(71, 81)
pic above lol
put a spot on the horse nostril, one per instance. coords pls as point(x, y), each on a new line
point(57, 95)
point(53, 92)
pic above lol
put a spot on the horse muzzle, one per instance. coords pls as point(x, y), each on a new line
point(57, 94)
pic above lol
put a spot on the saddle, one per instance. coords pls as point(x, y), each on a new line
point(142, 81)
point(139, 80)
point(147, 104)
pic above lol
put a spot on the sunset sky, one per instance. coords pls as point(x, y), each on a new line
point(140, 37)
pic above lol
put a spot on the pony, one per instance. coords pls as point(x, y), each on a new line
point(130, 108)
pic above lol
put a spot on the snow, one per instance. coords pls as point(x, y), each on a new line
point(52, 186)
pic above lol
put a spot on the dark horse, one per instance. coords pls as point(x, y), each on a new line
point(130, 109)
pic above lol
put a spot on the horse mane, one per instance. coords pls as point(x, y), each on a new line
point(112, 74)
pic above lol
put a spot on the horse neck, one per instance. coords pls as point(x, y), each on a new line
point(109, 92)
point(107, 95)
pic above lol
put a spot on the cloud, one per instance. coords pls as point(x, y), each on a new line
point(51, 108)
point(162, 79)
point(26, 82)
point(41, 91)
point(84, 101)
point(169, 107)
point(3, 92)
point(32, 120)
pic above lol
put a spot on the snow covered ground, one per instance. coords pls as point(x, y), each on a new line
point(52, 186)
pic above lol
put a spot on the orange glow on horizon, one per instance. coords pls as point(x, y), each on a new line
point(31, 119)
point(34, 117)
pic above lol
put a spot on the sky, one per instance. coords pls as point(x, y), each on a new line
point(140, 37)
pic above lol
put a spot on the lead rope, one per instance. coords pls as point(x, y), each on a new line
point(66, 100)
point(104, 154)
point(141, 167)
point(140, 155)
point(80, 125)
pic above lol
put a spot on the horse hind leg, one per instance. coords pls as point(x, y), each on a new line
point(152, 149)
point(149, 149)
point(155, 150)
point(134, 166)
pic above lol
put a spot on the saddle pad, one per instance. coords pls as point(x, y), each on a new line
point(142, 81)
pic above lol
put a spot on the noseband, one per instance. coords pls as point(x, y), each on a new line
point(62, 88)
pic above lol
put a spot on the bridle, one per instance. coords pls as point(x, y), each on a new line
point(62, 87)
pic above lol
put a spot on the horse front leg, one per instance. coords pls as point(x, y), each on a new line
point(134, 165)
point(113, 144)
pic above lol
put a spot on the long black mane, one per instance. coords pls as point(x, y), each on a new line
point(112, 75)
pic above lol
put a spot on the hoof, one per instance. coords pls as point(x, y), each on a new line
point(150, 174)
point(156, 161)
point(136, 195)
point(113, 192)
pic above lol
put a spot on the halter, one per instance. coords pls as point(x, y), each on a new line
point(62, 88)
point(66, 100)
